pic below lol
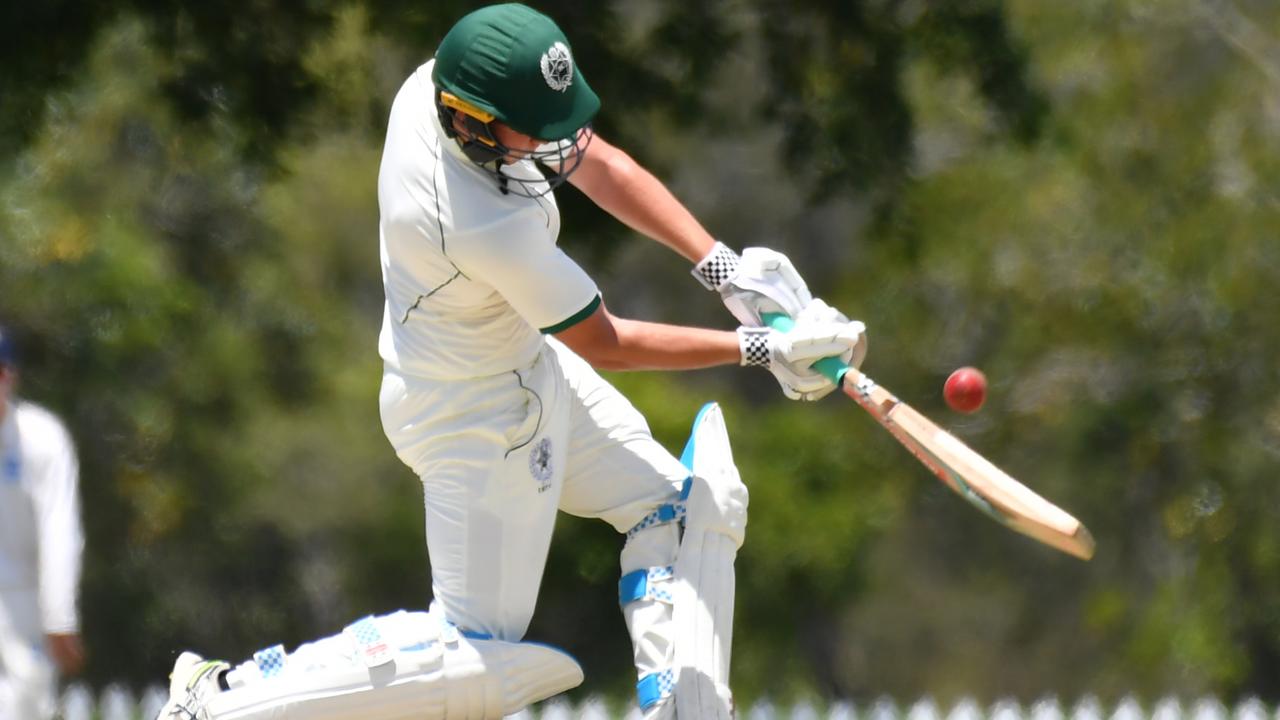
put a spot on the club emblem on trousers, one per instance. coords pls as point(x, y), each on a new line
point(557, 67)
point(540, 464)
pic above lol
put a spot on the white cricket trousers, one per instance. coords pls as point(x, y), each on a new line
point(27, 676)
point(499, 455)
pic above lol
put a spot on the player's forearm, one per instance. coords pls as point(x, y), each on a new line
point(655, 346)
point(624, 189)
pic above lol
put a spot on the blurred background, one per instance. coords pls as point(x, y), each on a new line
point(1077, 197)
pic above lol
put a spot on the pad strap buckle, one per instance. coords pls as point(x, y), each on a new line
point(646, 584)
point(669, 512)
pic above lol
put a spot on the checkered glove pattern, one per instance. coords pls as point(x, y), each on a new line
point(717, 268)
point(821, 332)
point(754, 344)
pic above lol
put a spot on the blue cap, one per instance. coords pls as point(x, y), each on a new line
point(8, 349)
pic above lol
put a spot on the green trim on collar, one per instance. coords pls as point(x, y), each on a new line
point(573, 319)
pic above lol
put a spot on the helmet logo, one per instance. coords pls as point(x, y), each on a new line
point(557, 67)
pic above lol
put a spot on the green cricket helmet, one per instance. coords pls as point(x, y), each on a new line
point(513, 64)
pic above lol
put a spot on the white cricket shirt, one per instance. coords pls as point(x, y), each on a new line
point(40, 534)
point(472, 277)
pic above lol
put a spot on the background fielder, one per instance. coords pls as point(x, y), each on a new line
point(40, 547)
point(490, 336)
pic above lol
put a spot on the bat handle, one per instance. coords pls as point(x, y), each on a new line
point(832, 367)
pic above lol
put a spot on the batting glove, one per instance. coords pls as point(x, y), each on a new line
point(759, 281)
point(819, 312)
point(790, 355)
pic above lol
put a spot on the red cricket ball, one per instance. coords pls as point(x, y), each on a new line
point(965, 390)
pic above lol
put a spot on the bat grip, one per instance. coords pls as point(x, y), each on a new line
point(832, 367)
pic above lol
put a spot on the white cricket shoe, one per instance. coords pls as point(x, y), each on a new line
point(193, 681)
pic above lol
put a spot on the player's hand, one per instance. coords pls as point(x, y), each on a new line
point(790, 355)
point(67, 652)
point(759, 281)
point(818, 311)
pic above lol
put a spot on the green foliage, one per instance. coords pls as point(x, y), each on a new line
point(1076, 197)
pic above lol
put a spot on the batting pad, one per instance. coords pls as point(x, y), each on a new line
point(714, 529)
point(444, 676)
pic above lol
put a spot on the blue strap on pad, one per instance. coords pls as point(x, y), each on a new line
point(645, 584)
point(654, 687)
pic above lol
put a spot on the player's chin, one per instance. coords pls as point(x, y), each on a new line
point(514, 156)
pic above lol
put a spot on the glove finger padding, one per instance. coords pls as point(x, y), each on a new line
point(846, 341)
point(760, 281)
point(766, 282)
point(791, 355)
point(818, 311)
point(810, 385)
point(764, 263)
point(748, 305)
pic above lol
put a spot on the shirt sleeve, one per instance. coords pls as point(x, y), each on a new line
point(60, 536)
point(540, 282)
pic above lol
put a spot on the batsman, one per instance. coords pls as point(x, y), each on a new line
point(491, 337)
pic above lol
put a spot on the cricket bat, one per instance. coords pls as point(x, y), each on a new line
point(969, 474)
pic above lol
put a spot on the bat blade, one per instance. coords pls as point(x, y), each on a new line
point(968, 473)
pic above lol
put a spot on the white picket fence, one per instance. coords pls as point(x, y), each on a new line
point(118, 703)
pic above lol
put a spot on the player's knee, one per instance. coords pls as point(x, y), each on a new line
point(677, 588)
point(718, 506)
point(715, 497)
